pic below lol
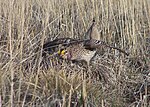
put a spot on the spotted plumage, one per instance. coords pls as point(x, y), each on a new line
point(78, 52)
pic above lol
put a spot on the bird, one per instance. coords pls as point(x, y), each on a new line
point(76, 49)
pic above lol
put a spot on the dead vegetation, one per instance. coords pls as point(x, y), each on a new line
point(115, 81)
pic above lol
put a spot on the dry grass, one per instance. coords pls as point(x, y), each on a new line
point(115, 80)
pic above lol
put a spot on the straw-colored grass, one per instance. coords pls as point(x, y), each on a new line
point(115, 81)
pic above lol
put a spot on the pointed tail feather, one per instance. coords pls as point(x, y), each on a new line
point(97, 43)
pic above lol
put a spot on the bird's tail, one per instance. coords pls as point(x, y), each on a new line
point(97, 43)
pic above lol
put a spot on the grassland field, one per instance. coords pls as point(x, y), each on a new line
point(116, 80)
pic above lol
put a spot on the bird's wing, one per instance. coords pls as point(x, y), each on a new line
point(51, 47)
point(54, 46)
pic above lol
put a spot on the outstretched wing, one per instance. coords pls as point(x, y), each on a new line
point(51, 47)
point(56, 45)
